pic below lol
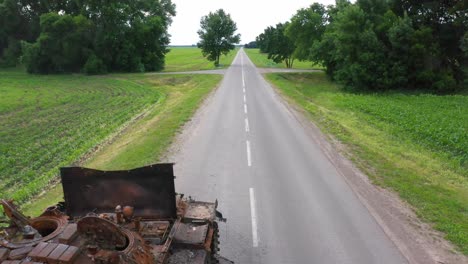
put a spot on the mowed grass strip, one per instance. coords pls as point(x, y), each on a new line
point(415, 144)
point(261, 60)
point(145, 141)
point(52, 121)
point(191, 59)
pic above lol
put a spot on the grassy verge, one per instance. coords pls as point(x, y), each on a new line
point(191, 59)
point(261, 60)
point(52, 121)
point(414, 144)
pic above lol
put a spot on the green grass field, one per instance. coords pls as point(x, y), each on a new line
point(52, 121)
point(261, 60)
point(191, 59)
point(414, 144)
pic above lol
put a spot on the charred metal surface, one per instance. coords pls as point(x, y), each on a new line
point(182, 256)
point(200, 210)
point(102, 233)
point(149, 190)
point(114, 217)
point(191, 234)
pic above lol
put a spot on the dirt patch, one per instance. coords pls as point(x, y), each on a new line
point(416, 240)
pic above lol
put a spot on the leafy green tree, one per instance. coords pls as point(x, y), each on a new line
point(281, 46)
point(63, 45)
point(16, 24)
point(123, 35)
point(379, 45)
point(306, 27)
point(264, 40)
point(251, 45)
point(131, 35)
point(278, 46)
point(447, 22)
point(217, 35)
point(359, 53)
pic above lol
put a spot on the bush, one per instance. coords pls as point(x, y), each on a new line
point(444, 83)
point(10, 55)
point(31, 59)
point(94, 65)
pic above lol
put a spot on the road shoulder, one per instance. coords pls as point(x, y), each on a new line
point(416, 240)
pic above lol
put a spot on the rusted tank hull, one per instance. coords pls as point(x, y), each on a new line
point(115, 217)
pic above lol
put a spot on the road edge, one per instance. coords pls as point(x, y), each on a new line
point(417, 241)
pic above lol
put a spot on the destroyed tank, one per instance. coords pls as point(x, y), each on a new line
point(114, 217)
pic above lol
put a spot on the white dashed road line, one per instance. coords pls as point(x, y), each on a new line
point(249, 157)
point(253, 214)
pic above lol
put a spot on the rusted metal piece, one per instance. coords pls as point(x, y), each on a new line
point(69, 255)
point(34, 254)
point(69, 234)
point(15, 216)
point(128, 213)
point(114, 217)
point(19, 253)
point(42, 256)
point(42, 228)
point(53, 257)
point(119, 214)
point(102, 233)
point(4, 252)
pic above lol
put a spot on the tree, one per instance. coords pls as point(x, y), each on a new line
point(278, 46)
point(264, 40)
point(251, 45)
point(217, 35)
point(283, 47)
point(63, 46)
point(64, 36)
point(306, 27)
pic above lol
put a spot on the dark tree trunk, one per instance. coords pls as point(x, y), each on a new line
point(217, 60)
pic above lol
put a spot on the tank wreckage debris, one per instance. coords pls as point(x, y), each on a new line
point(114, 217)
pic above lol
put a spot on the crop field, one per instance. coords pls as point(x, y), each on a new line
point(415, 144)
point(261, 60)
point(56, 120)
point(191, 59)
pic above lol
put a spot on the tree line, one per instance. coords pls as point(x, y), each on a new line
point(378, 44)
point(90, 36)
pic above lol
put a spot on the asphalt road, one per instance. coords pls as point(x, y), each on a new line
point(284, 200)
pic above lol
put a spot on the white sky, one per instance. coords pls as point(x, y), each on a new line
point(251, 16)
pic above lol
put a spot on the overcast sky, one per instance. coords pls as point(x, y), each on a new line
point(251, 16)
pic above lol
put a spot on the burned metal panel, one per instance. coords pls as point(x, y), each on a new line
point(188, 256)
point(200, 210)
point(150, 190)
point(191, 234)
